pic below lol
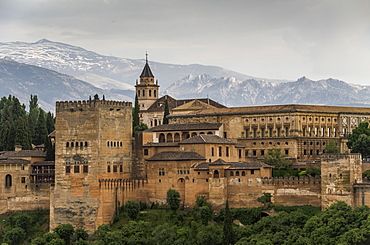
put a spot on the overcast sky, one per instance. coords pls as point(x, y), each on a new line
point(278, 39)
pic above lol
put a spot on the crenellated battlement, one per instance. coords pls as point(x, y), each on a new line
point(291, 180)
point(91, 104)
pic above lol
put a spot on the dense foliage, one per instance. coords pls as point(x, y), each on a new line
point(359, 139)
point(276, 158)
point(338, 224)
point(19, 127)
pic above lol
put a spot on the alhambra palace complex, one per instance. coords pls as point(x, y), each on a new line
point(206, 149)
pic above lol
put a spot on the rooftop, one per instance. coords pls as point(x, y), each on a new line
point(207, 139)
point(185, 127)
point(176, 156)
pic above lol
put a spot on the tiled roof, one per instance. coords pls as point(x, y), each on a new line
point(158, 105)
point(43, 163)
point(281, 109)
point(176, 156)
point(163, 144)
point(146, 71)
point(193, 105)
point(14, 161)
point(24, 153)
point(207, 139)
point(182, 127)
point(233, 165)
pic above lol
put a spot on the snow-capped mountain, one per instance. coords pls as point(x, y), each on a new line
point(22, 80)
point(233, 92)
point(106, 72)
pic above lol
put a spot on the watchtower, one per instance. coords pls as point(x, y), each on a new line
point(93, 159)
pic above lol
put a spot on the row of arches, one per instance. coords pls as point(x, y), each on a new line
point(114, 143)
point(77, 144)
point(141, 93)
point(177, 137)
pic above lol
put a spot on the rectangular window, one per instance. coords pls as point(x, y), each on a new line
point(240, 153)
point(286, 151)
point(225, 135)
point(262, 152)
point(278, 132)
point(161, 172)
point(220, 151)
point(270, 132)
point(246, 153)
point(114, 168)
point(23, 180)
point(287, 132)
point(146, 152)
point(255, 133)
point(108, 169)
point(86, 169)
point(68, 169)
point(252, 171)
point(304, 152)
point(262, 132)
point(227, 151)
point(120, 168)
point(213, 151)
point(76, 169)
point(303, 131)
point(247, 133)
point(254, 153)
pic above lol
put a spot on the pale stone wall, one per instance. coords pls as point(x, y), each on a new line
point(102, 130)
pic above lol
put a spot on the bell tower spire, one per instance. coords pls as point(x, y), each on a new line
point(146, 89)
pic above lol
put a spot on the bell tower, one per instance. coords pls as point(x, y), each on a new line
point(146, 90)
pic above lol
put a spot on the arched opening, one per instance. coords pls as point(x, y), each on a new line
point(209, 133)
point(72, 144)
point(231, 173)
point(193, 134)
point(86, 144)
point(185, 135)
point(67, 144)
point(216, 174)
point(237, 173)
point(181, 188)
point(243, 173)
point(176, 137)
point(76, 144)
point(169, 137)
point(8, 180)
point(155, 122)
point(162, 139)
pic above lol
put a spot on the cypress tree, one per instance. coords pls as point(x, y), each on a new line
point(41, 131)
point(228, 232)
point(50, 122)
point(21, 131)
point(135, 114)
point(166, 112)
point(6, 139)
point(32, 116)
point(49, 149)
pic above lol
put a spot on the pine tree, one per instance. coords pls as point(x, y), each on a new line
point(228, 236)
point(21, 131)
point(6, 139)
point(166, 112)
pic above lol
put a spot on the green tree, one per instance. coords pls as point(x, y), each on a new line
point(65, 232)
point(265, 199)
point(132, 209)
point(205, 214)
point(228, 236)
point(173, 199)
point(135, 113)
point(331, 147)
point(41, 130)
point(313, 171)
point(14, 236)
point(166, 112)
point(276, 158)
point(359, 139)
point(6, 137)
point(38, 241)
point(80, 234)
point(49, 149)
point(50, 122)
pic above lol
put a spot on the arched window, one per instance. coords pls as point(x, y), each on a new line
point(176, 137)
point(150, 93)
point(243, 173)
point(169, 137)
point(193, 134)
point(143, 92)
point(72, 144)
point(209, 133)
point(67, 144)
point(216, 174)
point(76, 144)
point(155, 93)
point(81, 144)
point(8, 180)
point(231, 173)
point(237, 173)
point(162, 138)
point(86, 144)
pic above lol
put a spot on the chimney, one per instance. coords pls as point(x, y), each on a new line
point(18, 148)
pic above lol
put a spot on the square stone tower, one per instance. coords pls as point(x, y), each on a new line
point(92, 161)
